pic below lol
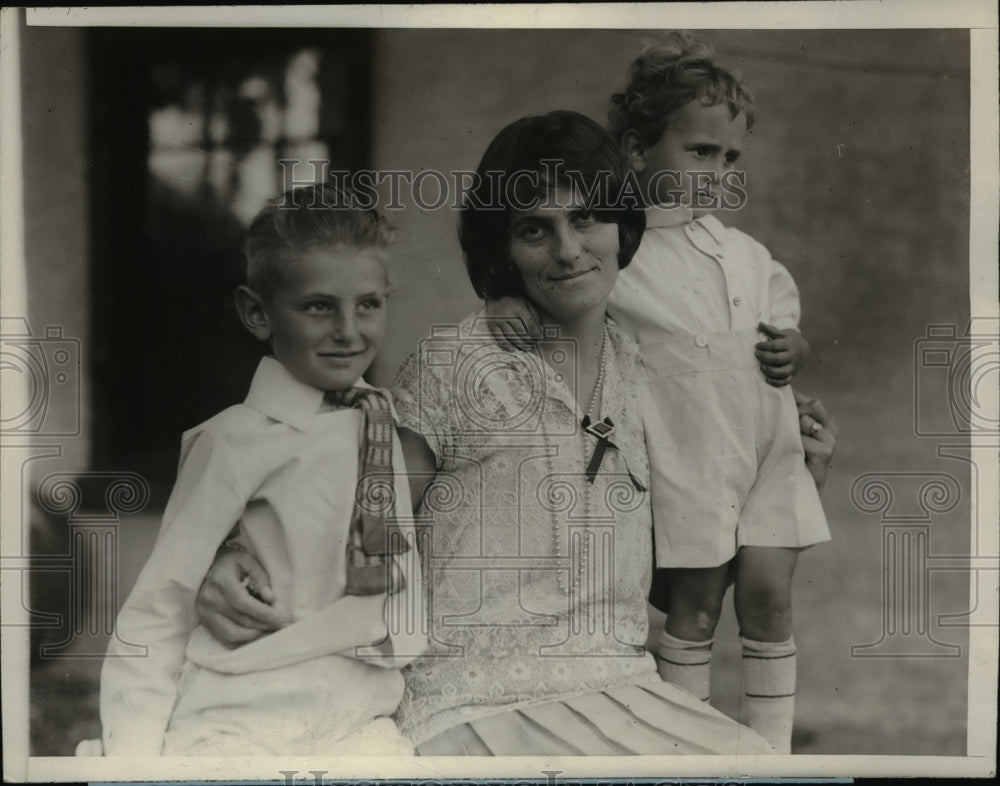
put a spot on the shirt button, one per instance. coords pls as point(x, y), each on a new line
point(721, 254)
point(737, 300)
point(700, 340)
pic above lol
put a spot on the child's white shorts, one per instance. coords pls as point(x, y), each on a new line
point(727, 466)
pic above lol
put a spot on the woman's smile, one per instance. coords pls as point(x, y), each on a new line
point(562, 278)
point(566, 255)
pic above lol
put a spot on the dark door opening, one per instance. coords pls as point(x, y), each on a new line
point(186, 132)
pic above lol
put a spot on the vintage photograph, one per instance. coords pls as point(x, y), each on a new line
point(412, 390)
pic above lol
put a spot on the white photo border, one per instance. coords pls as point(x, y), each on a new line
point(980, 17)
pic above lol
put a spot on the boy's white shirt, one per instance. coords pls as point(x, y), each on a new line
point(668, 288)
point(282, 445)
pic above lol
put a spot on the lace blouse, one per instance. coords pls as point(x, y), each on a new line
point(537, 577)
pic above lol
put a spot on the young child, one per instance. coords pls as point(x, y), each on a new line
point(301, 469)
point(731, 493)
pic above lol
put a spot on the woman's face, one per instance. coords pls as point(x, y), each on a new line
point(567, 259)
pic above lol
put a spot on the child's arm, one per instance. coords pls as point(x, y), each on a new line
point(353, 621)
point(353, 626)
point(513, 323)
point(783, 355)
point(234, 618)
point(138, 693)
point(400, 619)
point(786, 351)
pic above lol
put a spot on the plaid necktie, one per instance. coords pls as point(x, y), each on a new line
point(371, 570)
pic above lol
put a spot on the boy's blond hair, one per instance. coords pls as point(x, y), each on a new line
point(303, 218)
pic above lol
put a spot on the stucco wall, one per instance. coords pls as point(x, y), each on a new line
point(54, 95)
point(857, 174)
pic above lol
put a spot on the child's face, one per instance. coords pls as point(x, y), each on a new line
point(327, 314)
point(697, 139)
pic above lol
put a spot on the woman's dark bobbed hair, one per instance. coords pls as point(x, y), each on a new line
point(517, 168)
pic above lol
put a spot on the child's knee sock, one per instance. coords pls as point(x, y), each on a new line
point(769, 687)
point(687, 664)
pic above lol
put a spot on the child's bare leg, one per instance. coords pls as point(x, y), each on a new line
point(764, 611)
point(684, 652)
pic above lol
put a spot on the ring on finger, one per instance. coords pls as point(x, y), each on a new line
point(815, 427)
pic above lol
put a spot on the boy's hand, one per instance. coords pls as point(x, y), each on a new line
point(783, 355)
point(513, 323)
point(235, 601)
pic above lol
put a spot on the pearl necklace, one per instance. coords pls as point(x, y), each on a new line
point(595, 394)
point(596, 397)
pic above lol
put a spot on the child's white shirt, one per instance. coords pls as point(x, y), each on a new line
point(284, 466)
point(671, 288)
point(726, 459)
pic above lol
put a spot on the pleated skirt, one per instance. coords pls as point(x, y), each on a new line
point(649, 719)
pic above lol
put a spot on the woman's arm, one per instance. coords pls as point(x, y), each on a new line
point(819, 437)
point(421, 466)
point(233, 615)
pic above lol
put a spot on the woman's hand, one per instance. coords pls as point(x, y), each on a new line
point(235, 600)
point(783, 355)
point(819, 436)
point(513, 323)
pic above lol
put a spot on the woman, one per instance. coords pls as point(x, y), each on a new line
point(534, 470)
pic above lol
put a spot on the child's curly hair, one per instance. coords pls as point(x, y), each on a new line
point(665, 77)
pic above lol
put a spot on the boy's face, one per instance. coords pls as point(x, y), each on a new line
point(697, 139)
point(327, 314)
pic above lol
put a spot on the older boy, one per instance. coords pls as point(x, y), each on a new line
point(302, 469)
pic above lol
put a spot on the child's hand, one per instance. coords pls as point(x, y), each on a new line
point(235, 601)
point(513, 323)
point(783, 356)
